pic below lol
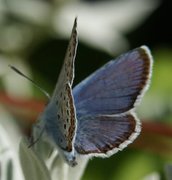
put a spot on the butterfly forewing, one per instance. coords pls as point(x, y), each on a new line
point(67, 71)
point(115, 87)
point(61, 106)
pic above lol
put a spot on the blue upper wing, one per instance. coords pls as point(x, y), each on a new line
point(105, 135)
point(114, 88)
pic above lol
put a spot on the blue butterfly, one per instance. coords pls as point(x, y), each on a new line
point(97, 117)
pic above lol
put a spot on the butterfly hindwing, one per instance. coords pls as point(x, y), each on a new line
point(105, 135)
point(114, 88)
point(66, 116)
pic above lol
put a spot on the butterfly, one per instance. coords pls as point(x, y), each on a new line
point(97, 118)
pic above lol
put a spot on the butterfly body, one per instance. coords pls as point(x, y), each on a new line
point(97, 117)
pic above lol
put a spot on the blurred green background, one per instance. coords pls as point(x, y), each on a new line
point(33, 37)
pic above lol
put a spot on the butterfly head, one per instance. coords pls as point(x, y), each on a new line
point(70, 158)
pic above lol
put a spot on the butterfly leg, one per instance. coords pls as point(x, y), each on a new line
point(34, 141)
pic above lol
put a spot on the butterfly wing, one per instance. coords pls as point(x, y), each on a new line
point(104, 102)
point(67, 71)
point(60, 113)
point(115, 87)
point(105, 135)
point(60, 120)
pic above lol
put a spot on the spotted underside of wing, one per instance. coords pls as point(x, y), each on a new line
point(62, 102)
point(67, 71)
point(105, 134)
point(66, 117)
point(115, 87)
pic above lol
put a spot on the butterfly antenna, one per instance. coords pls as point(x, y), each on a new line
point(20, 73)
